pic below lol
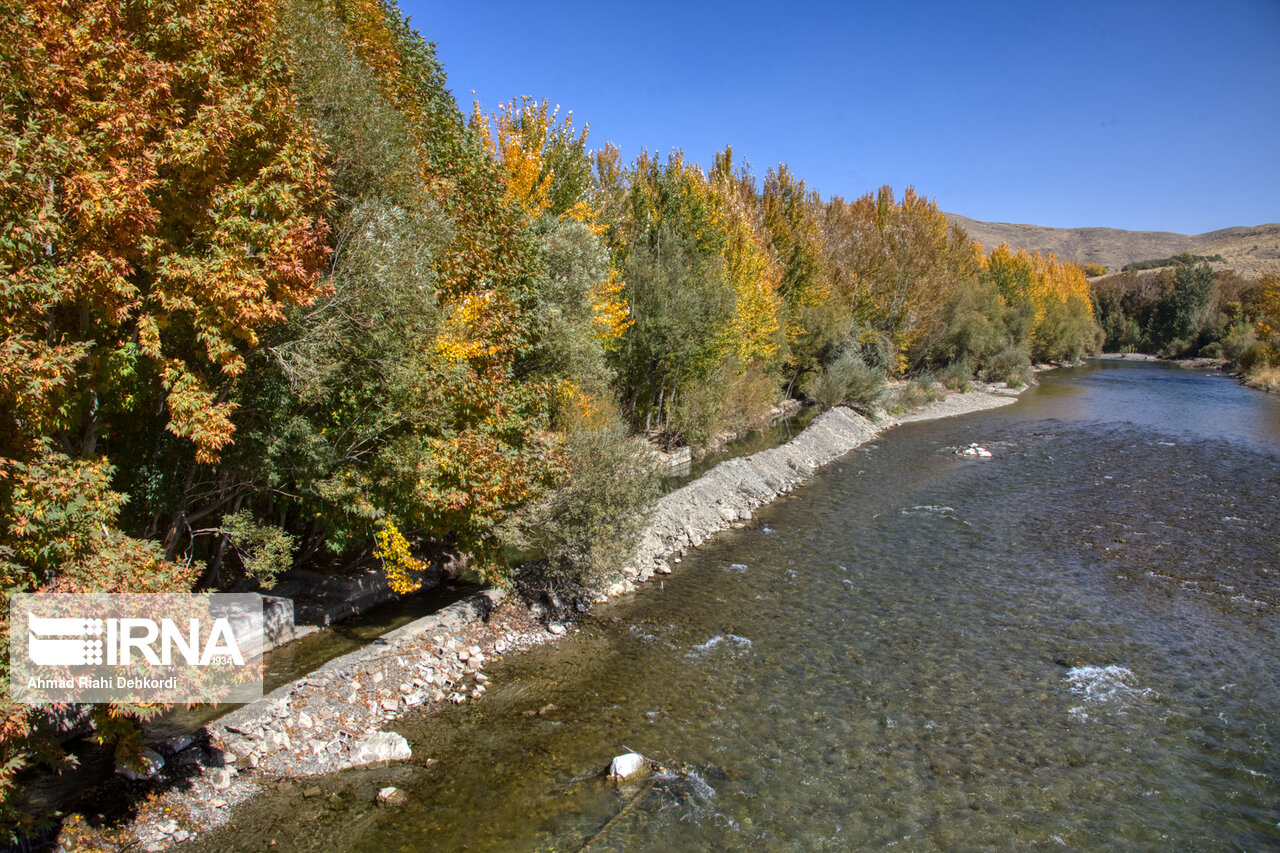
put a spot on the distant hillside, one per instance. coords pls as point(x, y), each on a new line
point(1248, 251)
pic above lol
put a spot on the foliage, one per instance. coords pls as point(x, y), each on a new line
point(1179, 314)
point(1067, 331)
point(919, 391)
point(264, 549)
point(589, 525)
point(1010, 366)
point(1094, 270)
point(957, 376)
point(1175, 260)
point(849, 381)
point(402, 569)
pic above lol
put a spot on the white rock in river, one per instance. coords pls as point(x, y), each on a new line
point(392, 796)
point(556, 628)
point(381, 746)
point(626, 765)
point(974, 450)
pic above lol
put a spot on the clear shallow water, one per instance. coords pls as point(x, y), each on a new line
point(1072, 644)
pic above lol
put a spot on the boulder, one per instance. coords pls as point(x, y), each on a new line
point(380, 746)
point(626, 765)
point(392, 796)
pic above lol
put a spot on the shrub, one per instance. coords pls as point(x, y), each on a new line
point(1264, 378)
point(1239, 337)
point(1211, 350)
point(977, 324)
point(1010, 365)
point(920, 391)
point(848, 381)
point(264, 549)
point(957, 376)
point(1176, 348)
point(1258, 355)
point(1094, 270)
point(1066, 331)
point(589, 526)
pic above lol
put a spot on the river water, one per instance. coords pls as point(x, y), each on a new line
point(1073, 644)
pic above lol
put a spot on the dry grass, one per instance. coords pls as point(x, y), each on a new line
point(1264, 378)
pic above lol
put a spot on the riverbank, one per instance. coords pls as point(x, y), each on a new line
point(336, 717)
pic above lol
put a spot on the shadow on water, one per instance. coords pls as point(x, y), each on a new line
point(1070, 644)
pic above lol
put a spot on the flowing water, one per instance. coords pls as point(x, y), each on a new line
point(1072, 644)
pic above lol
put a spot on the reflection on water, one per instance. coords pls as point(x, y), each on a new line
point(1071, 644)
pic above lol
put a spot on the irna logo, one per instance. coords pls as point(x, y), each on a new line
point(55, 641)
point(135, 647)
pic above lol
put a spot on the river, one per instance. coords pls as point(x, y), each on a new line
point(1071, 644)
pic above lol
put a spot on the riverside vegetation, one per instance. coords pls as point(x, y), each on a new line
point(1186, 309)
point(271, 299)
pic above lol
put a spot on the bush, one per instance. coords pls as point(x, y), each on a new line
point(1239, 337)
point(957, 376)
point(1258, 355)
point(1211, 350)
point(264, 549)
point(977, 324)
point(1264, 378)
point(1176, 348)
point(920, 391)
point(1094, 270)
point(1066, 331)
point(589, 526)
point(848, 381)
point(1010, 365)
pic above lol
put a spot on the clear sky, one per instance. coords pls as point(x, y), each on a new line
point(1140, 115)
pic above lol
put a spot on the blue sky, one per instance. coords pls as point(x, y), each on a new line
point(1139, 115)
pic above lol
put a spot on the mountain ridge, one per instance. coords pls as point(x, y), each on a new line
point(1249, 250)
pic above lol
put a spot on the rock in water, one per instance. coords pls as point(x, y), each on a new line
point(381, 746)
point(392, 796)
point(627, 765)
point(975, 450)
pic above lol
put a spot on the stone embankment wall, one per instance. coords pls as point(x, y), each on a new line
point(731, 492)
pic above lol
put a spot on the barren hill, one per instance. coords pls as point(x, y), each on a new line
point(1247, 250)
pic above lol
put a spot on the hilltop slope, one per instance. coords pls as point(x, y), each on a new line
point(1247, 250)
